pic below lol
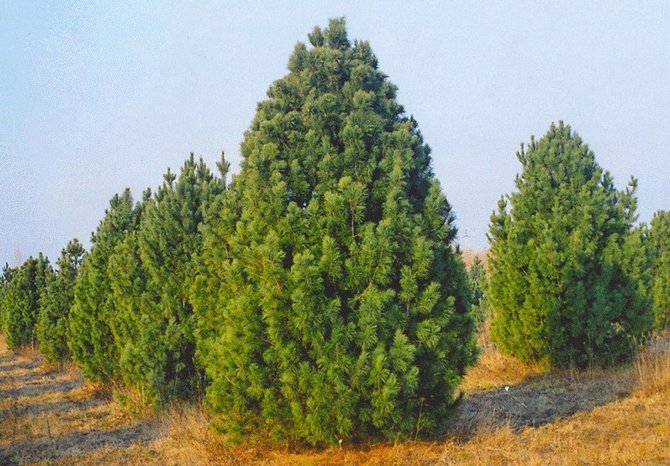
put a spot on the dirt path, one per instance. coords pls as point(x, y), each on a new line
point(47, 416)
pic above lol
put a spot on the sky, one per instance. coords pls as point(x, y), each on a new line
point(99, 96)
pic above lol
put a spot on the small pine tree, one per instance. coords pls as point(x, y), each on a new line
point(152, 272)
point(638, 261)
point(27, 287)
point(478, 277)
point(5, 280)
point(128, 282)
point(559, 286)
point(90, 337)
point(332, 303)
point(55, 305)
point(660, 239)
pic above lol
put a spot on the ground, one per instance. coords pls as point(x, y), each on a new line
point(510, 414)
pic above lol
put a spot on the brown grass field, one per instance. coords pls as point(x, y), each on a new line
point(510, 414)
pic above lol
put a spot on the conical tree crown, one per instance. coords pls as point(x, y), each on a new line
point(559, 286)
point(90, 335)
point(478, 281)
point(152, 271)
point(332, 303)
point(55, 305)
point(5, 280)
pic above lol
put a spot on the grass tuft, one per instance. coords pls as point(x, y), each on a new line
point(652, 367)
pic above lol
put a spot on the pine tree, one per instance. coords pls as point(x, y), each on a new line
point(55, 305)
point(332, 303)
point(28, 285)
point(660, 238)
point(478, 278)
point(90, 336)
point(638, 262)
point(152, 272)
point(128, 282)
point(560, 288)
point(5, 280)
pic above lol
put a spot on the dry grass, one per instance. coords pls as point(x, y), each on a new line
point(189, 440)
point(631, 430)
point(652, 367)
point(28, 352)
point(495, 369)
point(49, 413)
point(622, 419)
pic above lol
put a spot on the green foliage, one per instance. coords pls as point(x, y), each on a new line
point(22, 300)
point(128, 284)
point(660, 239)
point(5, 280)
point(90, 336)
point(151, 272)
point(331, 303)
point(561, 284)
point(477, 278)
point(55, 304)
point(637, 263)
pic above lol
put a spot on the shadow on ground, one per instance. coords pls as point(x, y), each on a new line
point(7, 357)
point(532, 404)
point(43, 408)
point(32, 364)
point(40, 389)
point(32, 377)
point(75, 444)
point(21, 391)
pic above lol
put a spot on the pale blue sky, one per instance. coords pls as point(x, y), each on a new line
point(97, 96)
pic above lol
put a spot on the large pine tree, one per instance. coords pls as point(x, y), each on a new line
point(560, 288)
point(332, 303)
point(55, 305)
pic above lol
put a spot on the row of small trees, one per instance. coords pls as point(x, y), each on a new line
point(132, 320)
point(321, 296)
